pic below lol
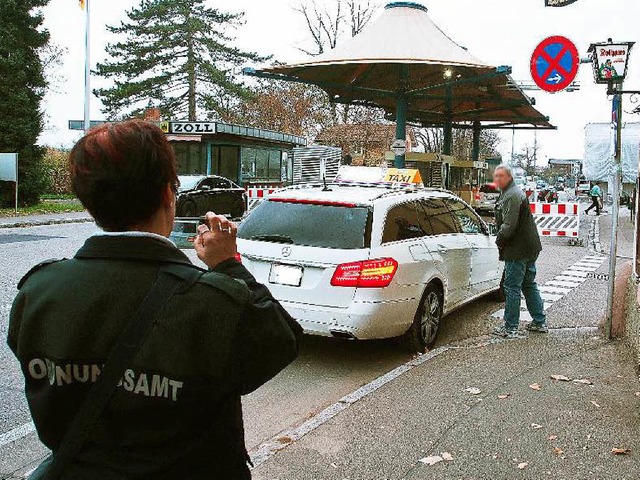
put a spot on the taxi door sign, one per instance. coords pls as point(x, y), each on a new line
point(402, 175)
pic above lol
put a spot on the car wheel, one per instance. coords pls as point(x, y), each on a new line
point(189, 209)
point(424, 330)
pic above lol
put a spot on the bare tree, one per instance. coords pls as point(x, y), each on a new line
point(432, 140)
point(527, 159)
point(361, 13)
point(324, 25)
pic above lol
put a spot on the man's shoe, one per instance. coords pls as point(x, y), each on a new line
point(502, 332)
point(537, 327)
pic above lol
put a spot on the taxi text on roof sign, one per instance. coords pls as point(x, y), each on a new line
point(349, 173)
point(397, 175)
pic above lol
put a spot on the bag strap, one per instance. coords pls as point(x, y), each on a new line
point(169, 281)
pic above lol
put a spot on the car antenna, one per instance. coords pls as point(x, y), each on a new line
point(323, 172)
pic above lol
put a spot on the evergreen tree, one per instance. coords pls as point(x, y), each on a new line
point(176, 54)
point(22, 86)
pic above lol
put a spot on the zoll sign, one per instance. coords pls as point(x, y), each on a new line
point(559, 3)
point(188, 128)
point(610, 61)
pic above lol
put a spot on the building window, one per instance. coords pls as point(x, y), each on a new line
point(191, 158)
point(261, 165)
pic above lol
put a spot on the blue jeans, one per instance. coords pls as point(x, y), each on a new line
point(520, 277)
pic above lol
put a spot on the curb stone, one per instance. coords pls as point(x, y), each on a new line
point(56, 221)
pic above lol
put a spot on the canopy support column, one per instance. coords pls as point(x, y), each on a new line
point(401, 114)
point(475, 154)
point(447, 146)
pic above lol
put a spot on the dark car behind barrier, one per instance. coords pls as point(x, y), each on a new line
point(199, 194)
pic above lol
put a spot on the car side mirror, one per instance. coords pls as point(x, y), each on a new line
point(205, 187)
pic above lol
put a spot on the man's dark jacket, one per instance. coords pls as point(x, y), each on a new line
point(517, 236)
point(177, 410)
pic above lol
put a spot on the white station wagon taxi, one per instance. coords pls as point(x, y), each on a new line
point(370, 261)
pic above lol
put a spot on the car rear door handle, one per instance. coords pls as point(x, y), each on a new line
point(442, 249)
point(474, 247)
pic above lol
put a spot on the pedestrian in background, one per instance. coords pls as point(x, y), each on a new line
point(519, 245)
point(134, 358)
point(596, 198)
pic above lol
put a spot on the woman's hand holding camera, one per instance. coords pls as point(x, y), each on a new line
point(216, 241)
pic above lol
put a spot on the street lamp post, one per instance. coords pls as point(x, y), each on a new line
point(610, 65)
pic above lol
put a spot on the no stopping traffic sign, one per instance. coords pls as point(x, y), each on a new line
point(555, 63)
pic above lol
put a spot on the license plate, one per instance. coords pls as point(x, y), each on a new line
point(286, 275)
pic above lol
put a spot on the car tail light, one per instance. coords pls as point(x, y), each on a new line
point(477, 196)
point(238, 257)
point(367, 274)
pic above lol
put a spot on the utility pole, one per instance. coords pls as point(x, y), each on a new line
point(87, 66)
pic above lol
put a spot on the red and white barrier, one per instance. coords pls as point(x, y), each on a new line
point(255, 195)
point(557, 219)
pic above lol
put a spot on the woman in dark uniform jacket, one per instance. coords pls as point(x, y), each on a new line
point(176, 412)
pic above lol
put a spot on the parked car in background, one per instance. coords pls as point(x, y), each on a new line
point(199, 194)
point(485, 201)
point(367, 262)
point(583, 188)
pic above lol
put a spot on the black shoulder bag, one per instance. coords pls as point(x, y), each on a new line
point(169, 281)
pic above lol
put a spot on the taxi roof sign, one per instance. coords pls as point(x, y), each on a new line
point(402, 175)
point(381, 175)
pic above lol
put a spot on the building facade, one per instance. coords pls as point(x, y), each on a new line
point(246, 155)
point(363, 144)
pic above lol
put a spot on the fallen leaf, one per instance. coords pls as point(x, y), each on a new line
point(536, 426)
point(522, 465)
point(561, 378)
point(558, 451)
point(620, 451)
point(535, 386)
point(583, 381)
point(447, 457)
point(637, 394)
point(432, 460)
point(285, 439)
point(553, 437)
point(595, 403)
point(503, 396)
point(473, 390)
point(333, 465)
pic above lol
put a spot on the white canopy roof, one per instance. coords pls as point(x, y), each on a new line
point(403, 53)
point(404, 33)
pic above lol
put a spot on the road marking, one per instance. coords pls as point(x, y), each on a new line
point(575, 273)
point(564, 278)
point(561, 285)
point(17, 433)
point(583, 269)
point(552, 289)
point(550, 297)
point(556, 283)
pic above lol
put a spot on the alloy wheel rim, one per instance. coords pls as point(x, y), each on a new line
point(430, 317)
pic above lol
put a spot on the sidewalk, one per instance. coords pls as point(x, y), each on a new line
point(473, 402)
point(45, 219)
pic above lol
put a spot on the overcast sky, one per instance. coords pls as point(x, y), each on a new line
point(500, 32)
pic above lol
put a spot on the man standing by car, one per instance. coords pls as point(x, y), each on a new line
point(519, 245)
point(595, 195)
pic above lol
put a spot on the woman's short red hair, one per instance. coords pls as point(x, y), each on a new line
point(119, 171)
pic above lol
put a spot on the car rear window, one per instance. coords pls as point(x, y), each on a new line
point(488, 188)
point(315, 225)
